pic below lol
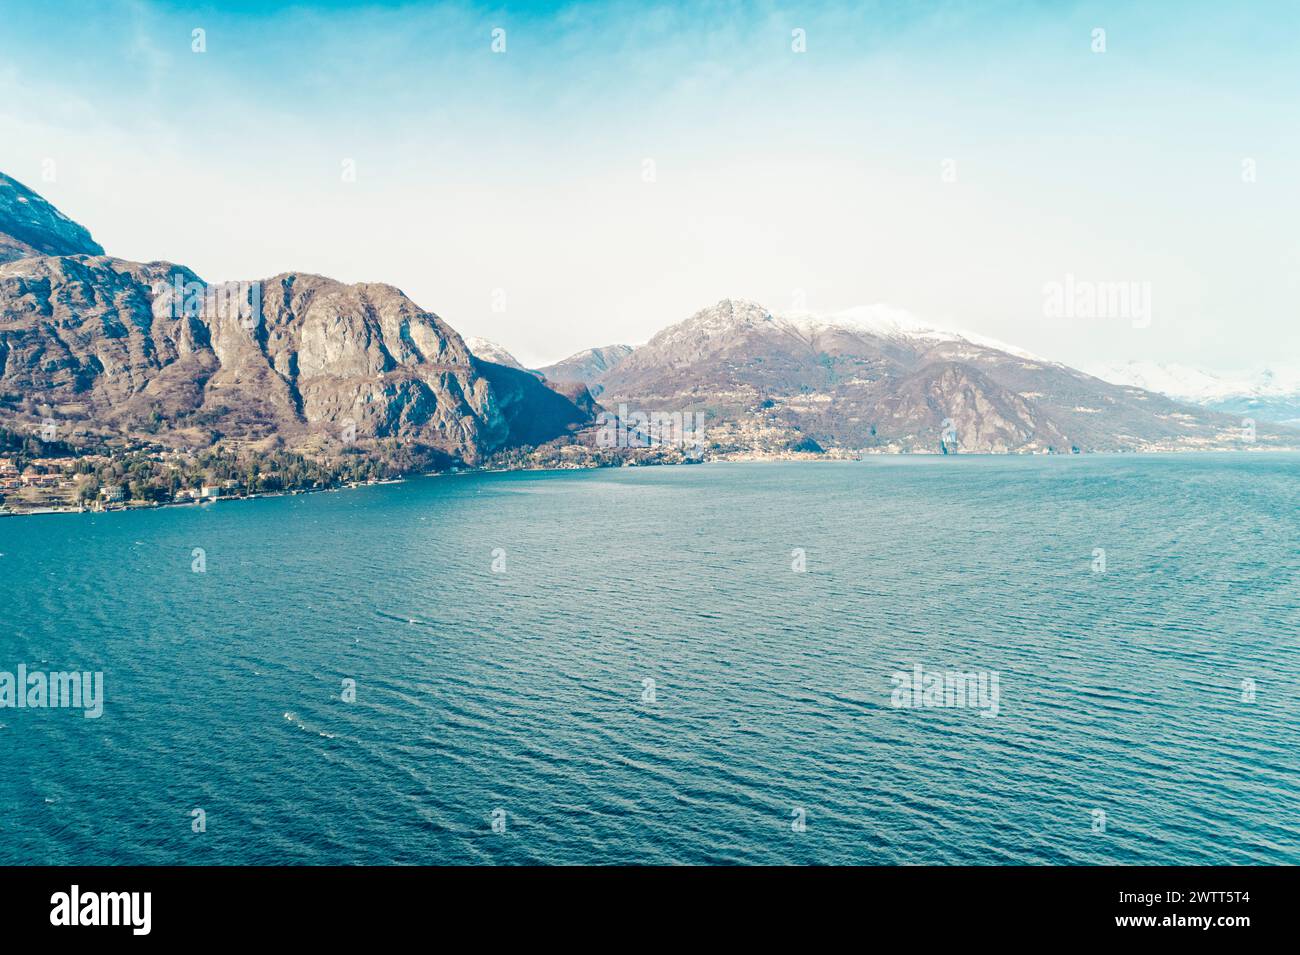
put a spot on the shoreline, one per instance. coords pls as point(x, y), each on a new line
point(730, 458)
point(159, 505)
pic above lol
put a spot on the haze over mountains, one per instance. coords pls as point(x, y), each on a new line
point(111, 349)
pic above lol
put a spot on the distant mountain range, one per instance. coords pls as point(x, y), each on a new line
point(130, 352)
point(1270, 394)
point(877, 379)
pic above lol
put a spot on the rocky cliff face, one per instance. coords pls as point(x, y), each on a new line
point(876, 379)
point(114, 348)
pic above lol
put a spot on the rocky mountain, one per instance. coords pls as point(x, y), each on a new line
point(876, 379)
point(31, 226)
point(587, 366)
point(110, 349)
point(114, 351)
point(1269, 394)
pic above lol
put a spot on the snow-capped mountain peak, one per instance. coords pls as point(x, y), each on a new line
point(720, 328)
point(490, 351)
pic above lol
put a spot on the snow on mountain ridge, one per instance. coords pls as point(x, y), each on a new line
point(888, 321)
point(489, 350)
point(731, 316)
point(1193, 384)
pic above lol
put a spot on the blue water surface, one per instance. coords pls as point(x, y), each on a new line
point(519, 693)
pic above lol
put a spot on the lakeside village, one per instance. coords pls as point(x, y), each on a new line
point(41, 475)
point(38, 476)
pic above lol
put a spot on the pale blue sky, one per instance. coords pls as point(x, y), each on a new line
point(775, 171)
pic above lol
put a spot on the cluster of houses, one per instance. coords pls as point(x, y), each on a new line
point(55, 475)
point(47, 473)
point(10, 480)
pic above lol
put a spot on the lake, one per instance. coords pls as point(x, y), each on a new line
point(695, 664)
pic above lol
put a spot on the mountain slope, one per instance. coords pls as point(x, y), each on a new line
point(587, 366)
point(536, 411)
point(125, 351)
point(31, 226)
point(877, 379)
